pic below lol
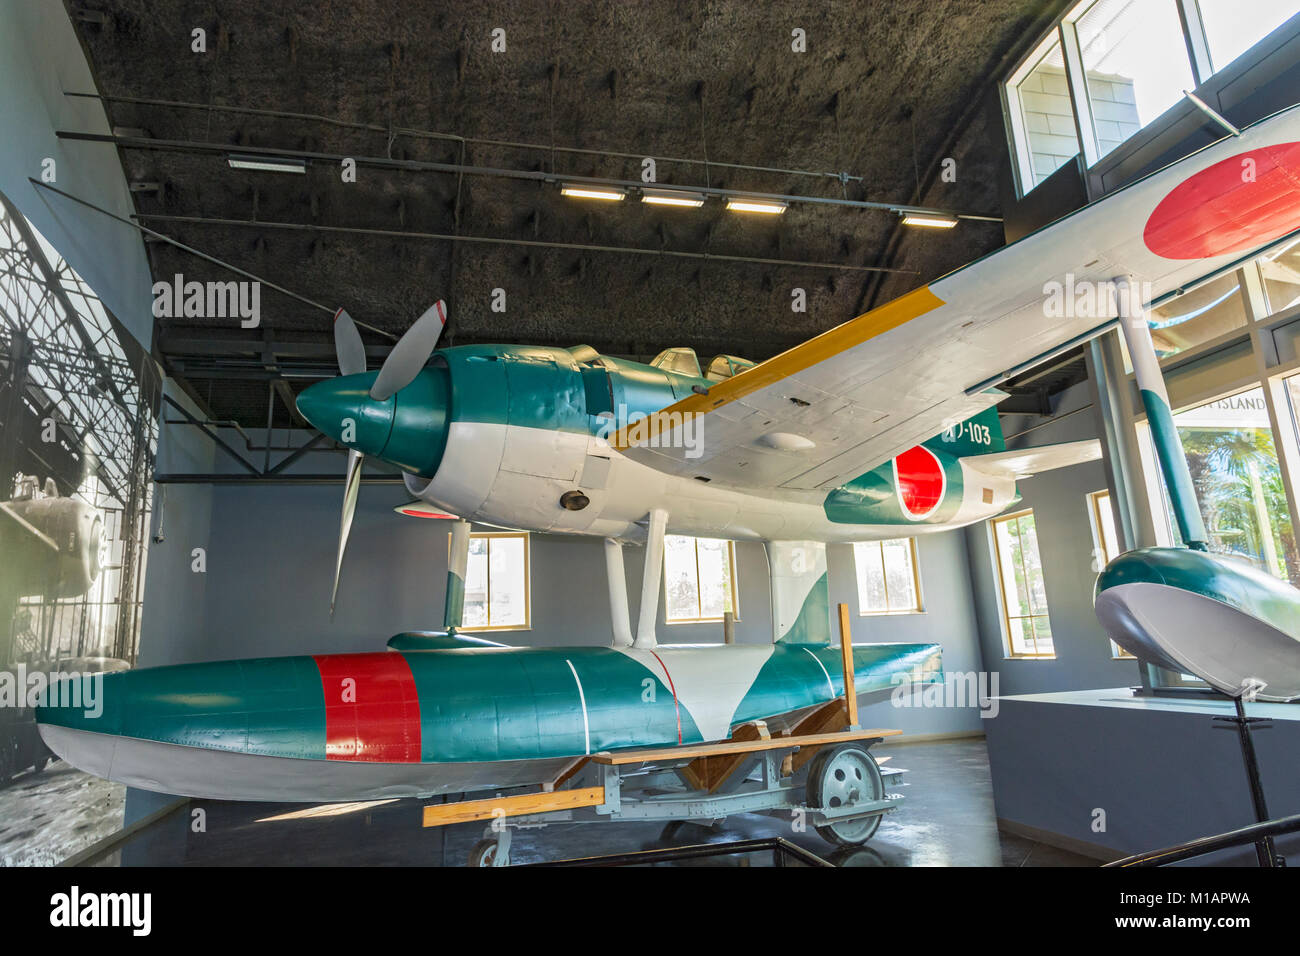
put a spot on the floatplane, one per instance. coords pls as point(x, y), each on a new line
point(882, 427)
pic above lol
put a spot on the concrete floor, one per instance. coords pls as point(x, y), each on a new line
point(47, 817)
point(947, 820)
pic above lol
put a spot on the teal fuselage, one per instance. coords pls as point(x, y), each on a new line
point(573, 391)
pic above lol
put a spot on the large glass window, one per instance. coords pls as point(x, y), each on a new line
point(496, 582)
point(1113, 66)
point(699, 579)
point(1281, 271)
point(1233, 461)
point(1233, 26)
point(1044, 116)
point(1211, 310)
point(888, 582)
point(1024, 594)
point(1135, 60)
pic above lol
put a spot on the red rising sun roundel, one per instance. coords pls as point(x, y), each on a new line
point(1233, 206)
point(921, 482)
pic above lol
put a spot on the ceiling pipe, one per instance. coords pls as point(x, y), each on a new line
point(539, 243)
point(379, 162)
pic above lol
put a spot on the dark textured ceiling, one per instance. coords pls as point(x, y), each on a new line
point(884, 92)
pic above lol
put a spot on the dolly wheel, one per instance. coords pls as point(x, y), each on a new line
point(485, 854)
point(843, 776)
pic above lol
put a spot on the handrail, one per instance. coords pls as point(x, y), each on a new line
point(1209, 844)
point(781, 849)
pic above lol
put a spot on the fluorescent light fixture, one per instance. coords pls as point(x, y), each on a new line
point(611, 193)
point(672, 197)
point(757, 205)
point(932, 220)
point(267, 164)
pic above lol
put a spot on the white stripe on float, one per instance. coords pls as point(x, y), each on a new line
point(829, 683)
point(582, 699)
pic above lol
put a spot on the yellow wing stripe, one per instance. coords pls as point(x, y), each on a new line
point(803, 356)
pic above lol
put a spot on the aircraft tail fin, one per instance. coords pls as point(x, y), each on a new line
point(801, 605)
point(978, 435)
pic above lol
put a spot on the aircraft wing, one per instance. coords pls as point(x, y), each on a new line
point(1027, 462)
point(27, 526)
point(842, 403)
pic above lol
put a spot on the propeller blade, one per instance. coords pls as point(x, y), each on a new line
point(351, 486)
point(347, 344)
point(410, 353)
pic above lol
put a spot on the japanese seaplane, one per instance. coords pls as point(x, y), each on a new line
point(882, 427)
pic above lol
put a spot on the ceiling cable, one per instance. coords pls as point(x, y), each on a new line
point(203, 255)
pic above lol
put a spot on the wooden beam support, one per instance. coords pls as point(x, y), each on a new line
point(827, 718)
point(709, 773)
point(846, 655)
point(691, 751)
point(467, 811)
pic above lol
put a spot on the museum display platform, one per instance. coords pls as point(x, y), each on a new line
point(1109, 774)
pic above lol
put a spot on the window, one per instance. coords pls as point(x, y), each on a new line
point(1233, 460)
point(1232, 26)
point(699, 579)
point(497, 582)
point(1103, 529)
point(1105, 545)
point(1281, 271)
point(1041, 115)
point(1135, 60)
point(1204, 313)
point(1113, 66)
point(1020, 579)
point(888, 582)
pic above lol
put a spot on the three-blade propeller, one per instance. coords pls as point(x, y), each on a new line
point(404, 362)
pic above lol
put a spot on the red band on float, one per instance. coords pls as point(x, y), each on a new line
point(372, 712)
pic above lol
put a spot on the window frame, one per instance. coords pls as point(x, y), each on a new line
point(733, 583)
point(1008, 646)
point(1094, 499)
point(1196, 46)
point(915, 565)
point(528, 580)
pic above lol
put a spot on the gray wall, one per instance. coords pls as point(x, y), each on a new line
point(1162, 772)
point(40, 57)
point(1059, 499)
point(174, 597)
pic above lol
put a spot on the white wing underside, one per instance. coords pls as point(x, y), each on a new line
point(840, 404)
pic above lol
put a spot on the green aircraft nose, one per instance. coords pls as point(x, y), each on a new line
point(408, 429)
point(343, 409)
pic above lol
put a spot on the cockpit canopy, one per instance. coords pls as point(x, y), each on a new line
point(685, 362)
point(681, 361)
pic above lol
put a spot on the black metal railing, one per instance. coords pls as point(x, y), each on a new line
point(1255, 833)
point(783, 852)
